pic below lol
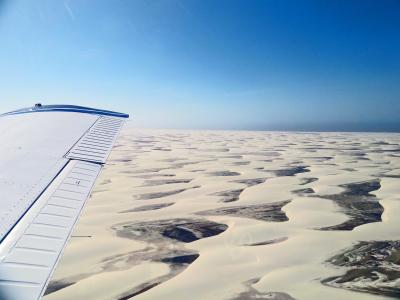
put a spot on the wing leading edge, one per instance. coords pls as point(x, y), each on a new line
point(49, 162)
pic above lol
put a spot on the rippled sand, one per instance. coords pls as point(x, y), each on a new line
point(239, 215)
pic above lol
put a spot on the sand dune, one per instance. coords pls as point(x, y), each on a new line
point(239, 215)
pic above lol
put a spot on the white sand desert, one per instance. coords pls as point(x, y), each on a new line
point(239, 215)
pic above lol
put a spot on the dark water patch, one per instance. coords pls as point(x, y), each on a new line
point(224, 173)
point(357, 202)
point(181, 259)
point(178, 259)
point(374, 263)
point(172, 159)
point(321, 158)
point(166, 241)
point(386, 175)
point(146, 176)
point(161, 149)
point(272, 153)
point(331, 164)
point(291, 171)
point(158, 195)
point(315, 149)
point(192, 231)
point(165, 181)
point(56, 285)
point(362, 158)
point(383, 143)
point(177, 265)
point(391, 176)
point(357, 150)
point(240, 163)
point(253, 294)
point(397, 150)
point(188, 163)
point(151, 170)
point(148, 207)
point(180, 230)
point(229, 196)
point(143, 141)
point(268, 242)
point(361, 188)
point(349, 169)
point(381, 163)
point(271, 212)
point(262, 153)
point(140, 289)
point(305, 191)
point(150, 196)
point(214, 150)
point(251, 182)
point(232, 156)
point(307, 180)
point(123, 160)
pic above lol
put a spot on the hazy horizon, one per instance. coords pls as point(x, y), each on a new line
point(260, 65)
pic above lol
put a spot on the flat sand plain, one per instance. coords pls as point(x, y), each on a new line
point(239, 215)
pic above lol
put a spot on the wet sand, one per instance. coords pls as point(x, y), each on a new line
point(239, 215)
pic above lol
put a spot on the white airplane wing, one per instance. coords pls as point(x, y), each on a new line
point(50, 157)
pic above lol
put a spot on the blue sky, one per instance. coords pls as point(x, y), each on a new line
point(313, 65)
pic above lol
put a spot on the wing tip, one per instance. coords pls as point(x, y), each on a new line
point(66, 108)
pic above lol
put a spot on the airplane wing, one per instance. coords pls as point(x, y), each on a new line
point(50, 157)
